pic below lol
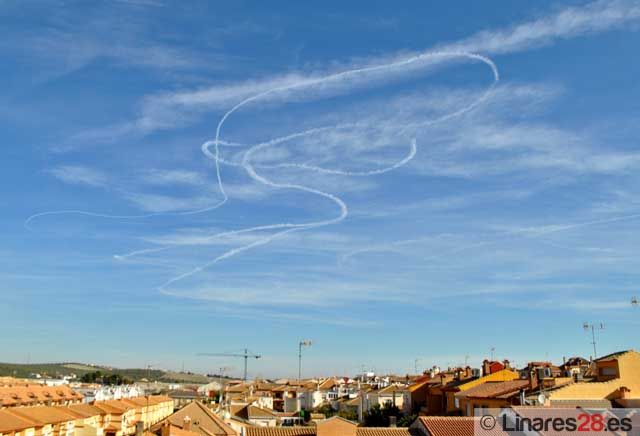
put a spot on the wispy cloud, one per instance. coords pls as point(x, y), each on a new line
point(170, 110)
point(570, 22)
point(80, 175)
point(172, 177)
point(158, 203)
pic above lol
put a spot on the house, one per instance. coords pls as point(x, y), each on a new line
point(492, 394)
point(120, 418)
point(395, 395)
point(93, 392)
point(182, 397)
point(441, 398)
point(13, 425)
point(491, 366)
point(615, 381)
point(254, 415)
point(354, 407)
point(334, 426)
point(451, 426)
point(576, 367)
point(113, 418)
point(89, 420)
point(150, 409)
point(435, 396)
point(210, 390)
point(418, 392)
point(26, 394)
point(47, 420)
point(196, 418)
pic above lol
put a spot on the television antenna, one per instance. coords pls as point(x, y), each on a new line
point(593, 327)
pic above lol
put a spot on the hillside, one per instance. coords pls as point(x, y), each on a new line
point(57, 370)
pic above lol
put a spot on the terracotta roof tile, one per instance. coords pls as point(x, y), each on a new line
point(494, 389)
point(280, 431)
point(305, 431)
point(453, 426)
point(385, 431)
point(203, 420)
point(10, 422)
point(43, 415)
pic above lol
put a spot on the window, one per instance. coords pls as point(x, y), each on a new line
point(609, 370)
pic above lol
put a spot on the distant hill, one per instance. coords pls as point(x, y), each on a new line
point(57, 370)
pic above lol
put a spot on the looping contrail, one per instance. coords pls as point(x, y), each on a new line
point(211, 149)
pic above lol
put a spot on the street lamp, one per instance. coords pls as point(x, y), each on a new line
point(304, 343)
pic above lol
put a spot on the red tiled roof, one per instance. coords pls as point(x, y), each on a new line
point(308, 431)
point(280, 431)
point(384, 431)
point(453, 426)
point(494, 389)
point(10, 422)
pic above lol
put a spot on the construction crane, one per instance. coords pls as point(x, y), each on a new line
point(246, 355)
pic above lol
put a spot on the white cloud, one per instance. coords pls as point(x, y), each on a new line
point(169, 110)
point(157, 203)
point(173, 177)
point(570, 22)
point(80, 175)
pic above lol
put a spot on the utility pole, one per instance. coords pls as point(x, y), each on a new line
point(493, 350)
point(415, 364)
point(593, 327)
point(221, 372)
point(304, 343)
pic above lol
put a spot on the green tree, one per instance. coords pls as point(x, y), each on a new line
point(326, 410)
point(407, 420)
point(379, 416)
point(349, 414)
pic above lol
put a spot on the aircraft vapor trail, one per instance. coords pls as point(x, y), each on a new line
point(251, 169)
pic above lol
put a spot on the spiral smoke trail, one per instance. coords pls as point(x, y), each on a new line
point(211, 149)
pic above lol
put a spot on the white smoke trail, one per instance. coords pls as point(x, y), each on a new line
point(217, 142)
point(250, 168)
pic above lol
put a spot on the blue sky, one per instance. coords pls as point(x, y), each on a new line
point(425, 182)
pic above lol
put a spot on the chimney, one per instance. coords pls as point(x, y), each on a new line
point(533, 380)
point(624, 392)
point(166, 429)
point(486, 368)
point(140, 428)
point(186, 423)
point(506, 364)
point(392, 421)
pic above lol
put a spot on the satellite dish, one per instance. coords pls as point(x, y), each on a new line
point(541, 399)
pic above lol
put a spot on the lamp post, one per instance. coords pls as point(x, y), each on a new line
point(593, 327)
point(304, 343)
